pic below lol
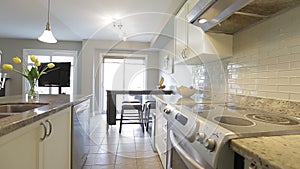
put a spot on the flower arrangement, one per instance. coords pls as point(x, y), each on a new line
point(31, 75)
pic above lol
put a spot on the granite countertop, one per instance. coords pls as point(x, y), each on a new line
point(275, 152)
point(53, 104)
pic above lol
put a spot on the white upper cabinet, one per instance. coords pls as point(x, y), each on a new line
point(193, 45)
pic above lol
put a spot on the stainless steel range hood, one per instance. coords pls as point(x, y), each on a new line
point(231, 16)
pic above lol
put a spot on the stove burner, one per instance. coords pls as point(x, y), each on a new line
point(273, 119)
point(233, 121)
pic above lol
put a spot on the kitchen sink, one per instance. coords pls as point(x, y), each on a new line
point(13, 108)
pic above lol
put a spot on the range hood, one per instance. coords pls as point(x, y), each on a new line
point(231, 16)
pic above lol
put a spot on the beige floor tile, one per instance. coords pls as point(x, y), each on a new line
point(104, 159)
point(108, 148)
point(125, 160)
point(86, 167)
point(103, 167)
point(129, 150)
point(146, 154)
point(126, 147)
point(127, 166)
point(143, 147)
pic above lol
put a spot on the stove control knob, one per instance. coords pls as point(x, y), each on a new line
point(210, 144)
point(201, 137)
point(167, 111)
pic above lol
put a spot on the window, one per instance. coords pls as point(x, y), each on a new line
point(53, 56)
point(123, 73)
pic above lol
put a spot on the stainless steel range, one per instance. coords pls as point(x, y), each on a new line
point(199, 134)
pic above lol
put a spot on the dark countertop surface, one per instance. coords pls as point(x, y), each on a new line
point(53, 104)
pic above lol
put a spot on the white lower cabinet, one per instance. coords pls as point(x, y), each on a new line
point(161, 133)
point(55, 150)
point(45, 144)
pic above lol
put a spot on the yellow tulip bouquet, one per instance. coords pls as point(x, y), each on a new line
point(31, 75)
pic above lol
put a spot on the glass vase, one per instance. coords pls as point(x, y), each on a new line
point(32, 93)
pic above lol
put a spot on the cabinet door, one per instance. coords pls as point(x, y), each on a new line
point(19, 149)
point(161, 133)
point(56, 148)
point(180, 32)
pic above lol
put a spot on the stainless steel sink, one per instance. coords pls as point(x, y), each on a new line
point(13, 108)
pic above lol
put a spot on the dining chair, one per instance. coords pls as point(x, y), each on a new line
point(131, 113)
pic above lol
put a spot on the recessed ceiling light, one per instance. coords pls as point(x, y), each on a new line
point(202, 20)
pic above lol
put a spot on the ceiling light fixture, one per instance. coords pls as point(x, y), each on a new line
point(47, 35)
point(122, 34)
point(202, 20)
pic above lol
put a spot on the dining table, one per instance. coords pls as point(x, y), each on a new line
point(111, 111)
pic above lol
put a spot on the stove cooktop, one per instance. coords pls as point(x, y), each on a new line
point(244, 122)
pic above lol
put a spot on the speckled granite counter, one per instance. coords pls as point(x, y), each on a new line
point(54, 104)
point(276, 152)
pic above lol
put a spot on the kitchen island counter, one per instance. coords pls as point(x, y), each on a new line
point(274, 152)
point(53, 104)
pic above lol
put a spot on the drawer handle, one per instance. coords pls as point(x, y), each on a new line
point(45, 131)
point(50, 128)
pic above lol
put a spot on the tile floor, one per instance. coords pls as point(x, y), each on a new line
point(129, 150)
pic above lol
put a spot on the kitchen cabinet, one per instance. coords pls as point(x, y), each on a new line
point(55, 150)
point(44, 144)
point(193, 46)
point(161, 133)
point(19, 149)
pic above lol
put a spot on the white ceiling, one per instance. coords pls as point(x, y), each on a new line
point(75, 20)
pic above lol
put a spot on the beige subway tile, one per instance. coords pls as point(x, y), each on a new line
point(295, 65)
point(295, 80)
point(278, 81)
point(272, 60)
point(261, 94)
point(277, 95)
point(278, 50)
point(289, 88)
point(232, 91)
point(295, 49)
point(268, 74)
point(250, 87)
point(259, 68)
point(267, 88)
point(289, 58)
point(294, 97)
point(281, 66)
point(289, 73)
point(261, 81)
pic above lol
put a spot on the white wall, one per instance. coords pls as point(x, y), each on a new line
point(267, 59)
point(14, 47)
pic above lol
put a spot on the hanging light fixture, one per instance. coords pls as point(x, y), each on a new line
point(47, 35)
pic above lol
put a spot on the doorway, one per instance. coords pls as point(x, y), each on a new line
point(121, 72)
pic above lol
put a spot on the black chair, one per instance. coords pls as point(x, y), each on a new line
point(148, 118)
point(131, 113)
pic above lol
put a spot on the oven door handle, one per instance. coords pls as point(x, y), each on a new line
point(182, 152)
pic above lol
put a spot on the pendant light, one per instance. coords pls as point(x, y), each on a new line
point(47, 35)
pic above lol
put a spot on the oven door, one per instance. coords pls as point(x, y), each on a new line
point(183, 155)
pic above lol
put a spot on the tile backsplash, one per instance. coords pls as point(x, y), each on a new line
point(266, 60)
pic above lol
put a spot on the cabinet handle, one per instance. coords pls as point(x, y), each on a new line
point(45, 131)
point(50, 128)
